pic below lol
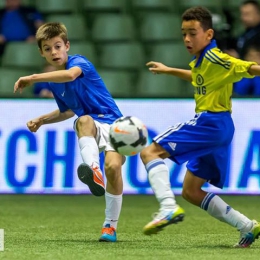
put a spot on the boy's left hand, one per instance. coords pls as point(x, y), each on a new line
point(22, 82)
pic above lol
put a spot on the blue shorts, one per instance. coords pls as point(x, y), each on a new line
point(203, 142)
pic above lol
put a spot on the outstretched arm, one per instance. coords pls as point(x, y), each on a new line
point(254, 70)
point(53, 117)
point(58, 76)
point(157, 67)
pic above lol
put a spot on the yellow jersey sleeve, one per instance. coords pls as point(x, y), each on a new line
point(231, 68)
point(213, 80)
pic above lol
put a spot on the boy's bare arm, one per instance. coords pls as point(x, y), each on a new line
point(254, 70)
point(53, 117)
point(56, 116)
point(58, 76)
point(157, 67)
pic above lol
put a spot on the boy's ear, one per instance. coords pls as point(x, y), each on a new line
point(210, 34)
point(40, 50)
point(67, 46)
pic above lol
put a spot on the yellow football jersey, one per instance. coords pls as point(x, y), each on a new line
point(213, 75)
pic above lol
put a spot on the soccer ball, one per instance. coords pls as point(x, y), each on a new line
point(128, 135)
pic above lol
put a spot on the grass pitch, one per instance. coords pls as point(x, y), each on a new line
point(68, 228)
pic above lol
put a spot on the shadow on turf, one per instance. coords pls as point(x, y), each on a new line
point(95, 241)
point(216, 246)
point(88, 241)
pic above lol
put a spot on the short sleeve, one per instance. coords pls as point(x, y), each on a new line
point(230, 69)
point(88, 70)
point(241, 68)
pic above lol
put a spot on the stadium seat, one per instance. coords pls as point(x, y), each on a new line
point(161, 86)
point(119, 83)
point(122, 56)
point(154, 5)
point(171, 54)
point(76, 25)
point(235, 4)
point(22, 55)
point(104, 5)
point(24, 2)
point(86, 49)
point(56, 6)
point(160, 27)
point(7, 80)
point(112, 27)
point(213, 6)
point(28, 2)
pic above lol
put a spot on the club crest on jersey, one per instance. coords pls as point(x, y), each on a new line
point(199, 80)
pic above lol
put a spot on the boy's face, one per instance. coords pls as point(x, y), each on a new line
point(55, 52)
point(194, 36)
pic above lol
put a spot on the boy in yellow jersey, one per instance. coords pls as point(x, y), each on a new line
point(203, 141)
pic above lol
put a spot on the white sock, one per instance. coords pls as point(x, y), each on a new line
point(220, 210)
point(159, 178)
point(89, 150)
point(113, 209)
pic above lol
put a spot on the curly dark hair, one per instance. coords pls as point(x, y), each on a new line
point(200, 14)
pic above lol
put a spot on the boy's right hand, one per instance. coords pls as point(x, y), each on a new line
point(23, 82)
point(157, 67)
point(34, 124)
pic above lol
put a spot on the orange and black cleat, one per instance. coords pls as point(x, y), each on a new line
point(92, 176)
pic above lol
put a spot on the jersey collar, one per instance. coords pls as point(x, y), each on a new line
point(212, 45)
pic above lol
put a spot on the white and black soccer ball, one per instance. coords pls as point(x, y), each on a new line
point(128, 135)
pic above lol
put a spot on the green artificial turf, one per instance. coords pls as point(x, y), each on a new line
point(68, 227)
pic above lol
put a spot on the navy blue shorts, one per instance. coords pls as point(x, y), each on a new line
point(203, 142)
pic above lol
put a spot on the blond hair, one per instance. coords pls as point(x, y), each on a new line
point(50, 30)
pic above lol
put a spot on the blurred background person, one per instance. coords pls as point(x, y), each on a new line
point(250, 18)
point(250, 86)
point(42, 89)
point(18, 23)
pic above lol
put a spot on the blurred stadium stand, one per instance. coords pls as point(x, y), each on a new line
point(85, 48)
point(8, 78)
point(75, 23)
point(56, 7)
point(118, 37)
point(22, 55)
point(119, 83)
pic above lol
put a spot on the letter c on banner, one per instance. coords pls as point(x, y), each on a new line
point(11, 159)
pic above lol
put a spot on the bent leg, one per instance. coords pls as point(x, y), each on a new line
point(218, 209)
point(86, 131)
point(192, 191)
point(158, 174)
point(113, 195)
point(113, 171)
point(89, 172)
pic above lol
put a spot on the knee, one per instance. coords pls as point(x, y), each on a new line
point(145, 154)
point(84, 121)
point(113, 170)
point(189, 194)
point(192, 195)
point(186, 194)
point(153, 151)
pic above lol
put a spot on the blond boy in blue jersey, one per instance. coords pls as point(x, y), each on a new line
point(203, 141)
